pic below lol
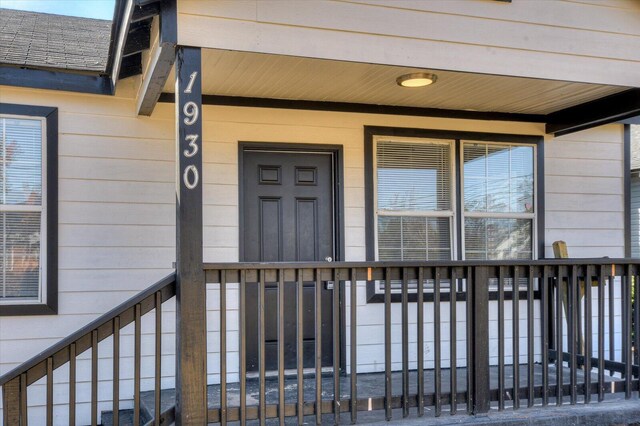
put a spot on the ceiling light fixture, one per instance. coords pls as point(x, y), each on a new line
point(416, 79)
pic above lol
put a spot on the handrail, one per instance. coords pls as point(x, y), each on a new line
point(36, 366)
point(451, 263)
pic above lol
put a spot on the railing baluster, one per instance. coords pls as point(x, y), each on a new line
point(136, 364)
point(243, 347)
point(452, 342)
point(223, 347)
point(437, 380)
point(94, 377)
point(515, 320)
point(601, 333)
point(559, 337)
point(387, 343)
point(612, 330)
point(318, 345)
point(116, 371)
point(501, 339)
point(49, 391)
point(262, 408)
point(300, 344)
point(588, 345)
point(24, 419)
point(627, 335)
point(336, 346)
point(281, 346)
point(405, 343)
point(636, 320)
point(158, 372)
point(354, 346)
point(72, 386)
point(420, 319)
point(573, 332)
point(544, 296)
point(530, 348)
point(470, 276)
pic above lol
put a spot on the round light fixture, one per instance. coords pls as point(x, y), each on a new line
point(416, 79)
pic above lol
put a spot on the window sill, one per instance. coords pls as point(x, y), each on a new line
point(27, 309)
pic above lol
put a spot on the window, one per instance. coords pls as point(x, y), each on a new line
point(414, 199)
point(451, 195)
point(28, 157)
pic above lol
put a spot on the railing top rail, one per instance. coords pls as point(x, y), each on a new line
point(392, 264)
point(85, 331)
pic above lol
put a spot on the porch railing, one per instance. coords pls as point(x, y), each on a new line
point(66, 354)
point(570, 333)
point(463, 341)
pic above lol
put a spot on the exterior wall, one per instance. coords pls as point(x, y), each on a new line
point(117, 218)
point(564, 40)
point(116, 233)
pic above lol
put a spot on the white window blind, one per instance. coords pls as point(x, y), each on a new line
point(21, 208)
point(414, 201)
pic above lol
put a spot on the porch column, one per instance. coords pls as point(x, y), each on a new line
point(191, 367)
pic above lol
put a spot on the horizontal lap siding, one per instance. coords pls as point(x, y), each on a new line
point(563, 40)
point(585, 192)
point(117, 221)
point(116, 230)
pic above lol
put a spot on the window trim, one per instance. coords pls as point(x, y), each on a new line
point(404, 132)
point(48, 304)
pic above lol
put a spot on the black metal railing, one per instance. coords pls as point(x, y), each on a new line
point(550, 349)
point(15, 383)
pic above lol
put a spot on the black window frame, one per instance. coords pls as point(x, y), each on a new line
point(50, 306)
point(404, 132)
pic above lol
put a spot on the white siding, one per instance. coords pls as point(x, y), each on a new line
point(584, 186)
point(564, 40)
point(117, 220)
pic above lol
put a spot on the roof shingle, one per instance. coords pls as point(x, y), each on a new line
point(45, 40)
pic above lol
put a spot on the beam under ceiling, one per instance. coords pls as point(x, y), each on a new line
point(609, 109)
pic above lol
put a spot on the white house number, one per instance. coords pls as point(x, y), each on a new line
point(191, 176)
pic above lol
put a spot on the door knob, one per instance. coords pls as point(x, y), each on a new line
point(328, 259)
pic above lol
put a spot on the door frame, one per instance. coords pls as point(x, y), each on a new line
point(338, 208)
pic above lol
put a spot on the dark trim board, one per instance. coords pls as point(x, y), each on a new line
point(51, 116)
point(627, 190)
point(371, 131)
point(240, 101)
point(617, 107)
point(55, 80)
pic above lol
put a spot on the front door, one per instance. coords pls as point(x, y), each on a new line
point(288, 216)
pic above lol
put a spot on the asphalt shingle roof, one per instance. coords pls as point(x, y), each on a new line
point(53, 41)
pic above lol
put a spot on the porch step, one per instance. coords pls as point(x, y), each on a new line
point(126, 417)
point(614, 412)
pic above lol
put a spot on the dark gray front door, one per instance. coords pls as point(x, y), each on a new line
point(288, 209)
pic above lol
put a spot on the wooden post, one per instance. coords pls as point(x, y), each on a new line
point(191, 369)
point(480, 344)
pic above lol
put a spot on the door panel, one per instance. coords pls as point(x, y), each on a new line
point(288, 206)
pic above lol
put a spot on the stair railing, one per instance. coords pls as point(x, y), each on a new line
point(16, 382)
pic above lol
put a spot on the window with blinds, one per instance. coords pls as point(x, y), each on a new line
point(414, 199)
point(498, 200)
point(21, 209)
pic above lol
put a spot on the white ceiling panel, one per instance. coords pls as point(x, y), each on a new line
point(232, 73)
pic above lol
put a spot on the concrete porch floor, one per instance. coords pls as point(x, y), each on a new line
point(615, 410)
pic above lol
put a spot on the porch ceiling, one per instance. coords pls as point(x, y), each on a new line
point(246, 74)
